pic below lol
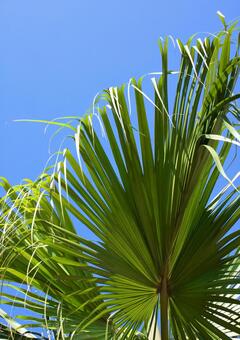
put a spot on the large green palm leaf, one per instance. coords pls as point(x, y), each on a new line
point(165, 245)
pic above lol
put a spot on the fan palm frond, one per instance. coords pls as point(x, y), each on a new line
point(164, 245)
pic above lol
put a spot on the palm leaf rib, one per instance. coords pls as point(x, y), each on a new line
point(166, 254)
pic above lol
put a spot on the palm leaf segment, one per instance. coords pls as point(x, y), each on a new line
point(165, 246)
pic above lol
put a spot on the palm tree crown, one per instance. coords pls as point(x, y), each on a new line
point(166, 255)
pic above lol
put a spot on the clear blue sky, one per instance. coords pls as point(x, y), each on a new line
point(57, 54)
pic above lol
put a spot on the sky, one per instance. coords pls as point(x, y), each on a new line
point(56, 55)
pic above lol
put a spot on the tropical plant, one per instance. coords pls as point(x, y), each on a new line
point(163, 257)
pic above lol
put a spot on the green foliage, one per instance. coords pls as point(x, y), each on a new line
point(164, 245)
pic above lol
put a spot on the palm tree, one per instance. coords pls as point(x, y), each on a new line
point(163, 258)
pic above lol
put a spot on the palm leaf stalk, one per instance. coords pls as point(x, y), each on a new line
point(165, 245)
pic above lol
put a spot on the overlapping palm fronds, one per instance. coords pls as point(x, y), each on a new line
point(166, 248)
